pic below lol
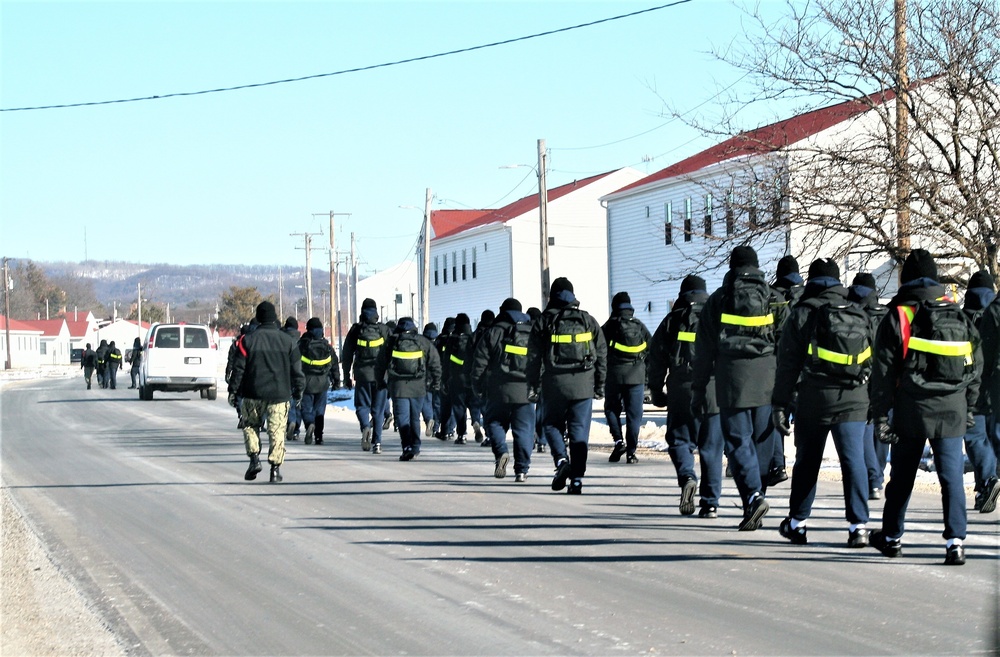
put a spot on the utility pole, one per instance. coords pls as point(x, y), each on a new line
point(138, 308)
point(354, 279)
point(902, 131)
point(281, 307)
point(543, 221)
point(334, 298)
point(350, 295)
point(425, 264)
point(6, 310)
point(308, 247)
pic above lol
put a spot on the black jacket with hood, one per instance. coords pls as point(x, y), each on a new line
point(622, 369)
point(664, 344)
point(486, 376)
point(368, 372)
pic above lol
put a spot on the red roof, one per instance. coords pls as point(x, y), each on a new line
point(446, 222)
point(50, 327)
point(78, 328)
point(769, 138)
point(17, 325)
point(517, 208)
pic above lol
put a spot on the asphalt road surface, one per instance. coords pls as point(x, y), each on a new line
point(144, 505)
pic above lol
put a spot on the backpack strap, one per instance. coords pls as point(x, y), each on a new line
point(905, 318)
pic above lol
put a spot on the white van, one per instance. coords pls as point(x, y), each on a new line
point(179, 358)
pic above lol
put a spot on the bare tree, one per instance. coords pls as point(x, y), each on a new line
point(843, 191)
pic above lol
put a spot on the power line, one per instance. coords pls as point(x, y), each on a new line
point(350, 70)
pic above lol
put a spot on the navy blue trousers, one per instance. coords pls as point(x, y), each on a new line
point(949, 461)
point(876, 457)
point(407, 412)
point(749, 439)
point(313, 404)
point(810, 443)
point(572, 419)
point(519, 419)
point(620, 397)
point(980, 450)
point(710, 443)
point(369, 406)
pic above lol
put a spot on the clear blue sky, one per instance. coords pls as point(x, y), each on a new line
point(227, 177)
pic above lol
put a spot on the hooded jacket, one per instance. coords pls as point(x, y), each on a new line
point(268, 366)
point(556, 385)
point(486, 376)
point(456, 358)
point(414, 388)
point(320, 373)
point(977, 300)
point(819, 401)
point(990, 334)
point(623, 370)
point(664, 344)
point(919, 418)
point(368, 372)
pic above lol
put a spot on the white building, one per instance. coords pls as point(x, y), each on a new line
point(479, 258)
point(395, 291)
point(54, 342)
point(25, 343)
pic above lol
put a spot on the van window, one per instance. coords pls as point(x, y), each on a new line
point(168, 337)
point(195, 338)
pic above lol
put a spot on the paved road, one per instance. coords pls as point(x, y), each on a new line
point(144, 504)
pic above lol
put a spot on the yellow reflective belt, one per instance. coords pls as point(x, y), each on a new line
point(455, 359)
point(514, 349)
point(407, 355)
point(627, 349)
point(943, 347)
point(685, 336)
point(318, 363)
point(841, 359)
point(740, 320)
point(377, 342)
point(579, 337)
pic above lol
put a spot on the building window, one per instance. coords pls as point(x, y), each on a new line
point(668, 223)
point(647, 212)
point(435, 270)
point(463, 265)
point(687, 220)
point(454, 266)
point(43, 346)
point(730, 216)
point(708, 214)
point(752, 210)
point(777, 203)
point(473, 262)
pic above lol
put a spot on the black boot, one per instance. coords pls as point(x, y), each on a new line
point(320, 422)
point(253, 469)
point(275, 474)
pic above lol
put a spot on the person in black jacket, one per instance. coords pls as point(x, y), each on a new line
point(498, 374)
point(414, 368)
point(267, 367)
point(291, 327)
point(978, 296)
point(788, 285)
point(446, 425)
point(114, 363)
point(626, 386)
point(567, 363)
point(476, 403)
point(864, 293)
point(135, 361)
point(87, 363)
point(533, 314)
point(102, 363)
point(735, 342)
point(825, 354)
point(990, 335)
point(322, 371)
point(671, 358)
point(431, 410)
point(909, 365)
point(366, 350)
point(454, 379)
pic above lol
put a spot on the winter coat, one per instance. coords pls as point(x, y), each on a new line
point(820, 401)
point(267, 366)
point(977, 300)
point(320, 373)
point(487, 378)
point(990, 334)
point(404, 388)
point(623, 369)
point(368, 372)
point(665, 342)
point(917, 417)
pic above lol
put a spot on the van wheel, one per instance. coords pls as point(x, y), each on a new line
point(203, 393)
point(145, 393)
point(212, 394)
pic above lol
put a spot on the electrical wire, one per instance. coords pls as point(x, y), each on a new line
point(350, 70)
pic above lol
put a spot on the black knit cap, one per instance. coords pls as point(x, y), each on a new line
point(620, 299)
point(534, 313)
point(461, 319)
point(266, 312)
point(982, 278)
point(559, 285)
point(824, 268)
point(368, 303)
point(919, 264)
point(864, 279)
point(510, 303)
point(487, 316)
point(743, 256)
point(787, 265)
point(314, 323)
point(692, 282)
point(291, 322)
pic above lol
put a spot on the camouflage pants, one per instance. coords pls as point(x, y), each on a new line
point(254, 412)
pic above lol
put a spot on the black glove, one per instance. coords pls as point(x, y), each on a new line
point(647, 396)
point(699, 405)
point(658, 398)
point(532, 395)
point(970, 420)
point(232, 399)
point(779, 416)
point(598, 392)
point(348, 383)
point(884, 433)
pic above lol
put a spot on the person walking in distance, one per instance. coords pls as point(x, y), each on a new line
point(498, 374)
point(414, 366)
point(266, 368)
point(736, 342)
point(454, 379)
point(88, 362)
point(431, 410)
point(990, 335)
point(366, 354)
point(114, 364)
point(927, 370)
point(626, 387)
point(102, 363)
point(671, 358)
point(291, 327)
point(567, 363)
point(788, 287)
point(135, 361)
point(476, 403)
point(825, 353)
point(322, 370)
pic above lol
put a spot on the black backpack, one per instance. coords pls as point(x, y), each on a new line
point(681, 355)
point(628, 344)
point(937, 348)
point(747, 327)
point(407, 359)
point(571, 342)
point(840, 344)
point(317, 356)
point(514, 357)
point(370, 343)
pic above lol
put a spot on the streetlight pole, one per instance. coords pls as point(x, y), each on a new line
point(425, 269)
point(6, 311)
point(543, 221)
